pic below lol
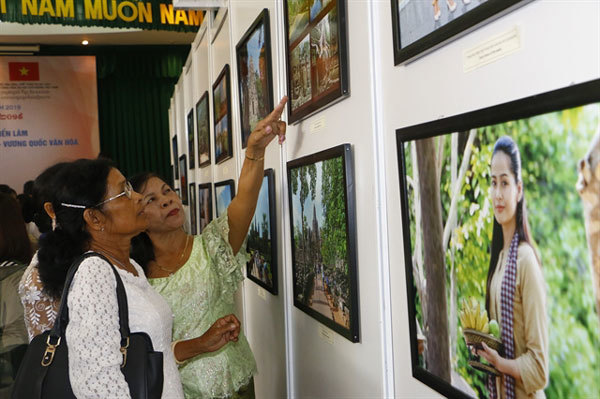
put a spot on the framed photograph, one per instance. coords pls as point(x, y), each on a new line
point(222, 116)
point(224, 193)
point(203, 130)
point(205, 204)
point(422, 26)
point(255, 74)
point(183, 181)
point(175, 157)
point(323, 223)
point(262, 237)
point(190, 136)
point(193, 212)
point(464, 182)
point(317, 55)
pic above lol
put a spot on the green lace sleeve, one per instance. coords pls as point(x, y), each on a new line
point(227, 266)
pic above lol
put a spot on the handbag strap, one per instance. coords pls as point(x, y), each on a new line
point(62, 318)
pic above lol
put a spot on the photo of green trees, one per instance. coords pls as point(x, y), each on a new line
point(322, 264)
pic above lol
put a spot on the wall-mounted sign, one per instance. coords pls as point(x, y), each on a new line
point(144, 14)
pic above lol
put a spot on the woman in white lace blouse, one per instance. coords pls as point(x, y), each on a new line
point(96, 210)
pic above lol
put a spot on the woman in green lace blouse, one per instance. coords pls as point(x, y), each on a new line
point(198, 276)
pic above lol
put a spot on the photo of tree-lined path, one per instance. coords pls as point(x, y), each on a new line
point(458, 176)
point(321, 270)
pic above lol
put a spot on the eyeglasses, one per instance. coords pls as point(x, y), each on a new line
point(127, 190)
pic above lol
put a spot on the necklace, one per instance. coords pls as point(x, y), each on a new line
point(171, 271)
point(127, 269)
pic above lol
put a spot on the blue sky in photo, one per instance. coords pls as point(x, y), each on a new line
point(254, 45)
point(262, 207)
point(308, 203)
point(315, 8)
point(223, 198)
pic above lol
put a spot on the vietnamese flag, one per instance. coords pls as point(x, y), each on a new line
point(23, 71)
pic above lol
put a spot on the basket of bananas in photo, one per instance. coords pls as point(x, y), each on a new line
point(477, 328)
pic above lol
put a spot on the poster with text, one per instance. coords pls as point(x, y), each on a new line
point(48, 114)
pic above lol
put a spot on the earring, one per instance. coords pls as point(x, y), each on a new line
point(102, 229)
point(54, 224)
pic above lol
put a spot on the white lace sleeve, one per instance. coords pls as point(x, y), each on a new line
point(93, 333)
point(40, 309)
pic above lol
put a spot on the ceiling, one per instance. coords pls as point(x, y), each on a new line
point(14, 33)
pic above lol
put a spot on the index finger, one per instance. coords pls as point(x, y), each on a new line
point(276, 113)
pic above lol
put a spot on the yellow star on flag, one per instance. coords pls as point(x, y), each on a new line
point(24, 71)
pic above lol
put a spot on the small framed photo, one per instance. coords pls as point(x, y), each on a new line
point(420, 27)
point(205, 204)
point(323, 223)
point(172, 176)
point(317, 55)
point(203, 130)
point(190, 136)
point(255, 74)
point(193, 213)
point(262, 237)
point(175, 157)
point(222, 116)
point(224, 193)
point(183, 179)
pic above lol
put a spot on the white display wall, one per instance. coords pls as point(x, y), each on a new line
point(559, 45)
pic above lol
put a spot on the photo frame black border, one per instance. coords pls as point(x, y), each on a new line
point(224, 74)
point(578, 95)
point(456, 28)
point(332, 98)
point(345, 151)
point(191, 143)
point(184, 185)
point(229, 182)
point(205, 186)
point(264, 20)
point(206, 99)
point(193, 209)
point(175, 157)
point(270, 174)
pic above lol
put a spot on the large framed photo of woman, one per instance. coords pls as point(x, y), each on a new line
point(422, 26)
point(317, 55)
point(500, 271)
point(323, 223)
point(222, 116)
point(255, 74)
point(203, 130)
point(262, 237)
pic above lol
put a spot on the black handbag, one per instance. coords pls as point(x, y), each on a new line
point(44, 371)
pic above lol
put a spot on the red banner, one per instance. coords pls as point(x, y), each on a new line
point(21, 71)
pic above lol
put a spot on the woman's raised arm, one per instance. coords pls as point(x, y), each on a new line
point(242, 207)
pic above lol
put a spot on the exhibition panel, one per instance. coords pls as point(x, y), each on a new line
point(371, 242)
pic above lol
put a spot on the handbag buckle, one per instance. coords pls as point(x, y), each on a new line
point(49, 353)
point(124, 352)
